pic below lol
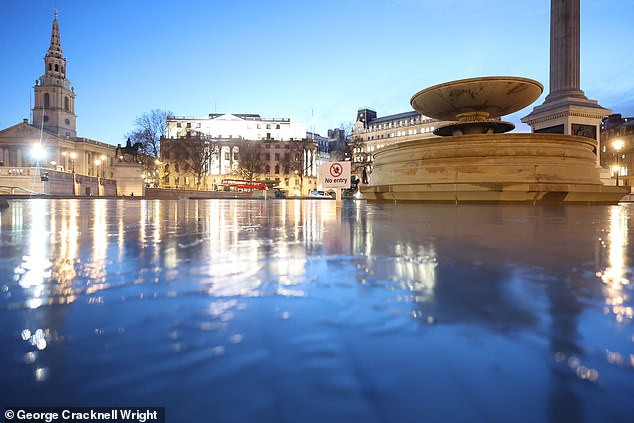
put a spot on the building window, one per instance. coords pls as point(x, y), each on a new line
point(277, 146)
point(189, 125)
point(277, 156)
point(47, 100)
point(268, 156)
point(178, 124)
point(268, 146)
point(66, 104)
point(176, 180)
point(56, 67)
point(268, 168)
point(227, 155)
point(277, 169)
point(277, 126)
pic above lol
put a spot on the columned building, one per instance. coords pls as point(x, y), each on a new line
point(49, 146)
point(280, 142)
point(617, 147)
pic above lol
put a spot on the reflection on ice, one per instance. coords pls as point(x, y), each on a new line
point(275, 310)
point(615, 276)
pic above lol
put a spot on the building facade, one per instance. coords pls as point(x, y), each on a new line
point(49, 146)
point(617, 147)
point(287, 156)
point(370, 133)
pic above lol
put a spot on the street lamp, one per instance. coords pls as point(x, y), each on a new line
point(103, 167)
point(618, 145)
point(73, 156)
point(38, 152)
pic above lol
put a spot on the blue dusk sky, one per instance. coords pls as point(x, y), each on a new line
point(314, 62)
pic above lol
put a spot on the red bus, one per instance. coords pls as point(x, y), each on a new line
point(240, 184)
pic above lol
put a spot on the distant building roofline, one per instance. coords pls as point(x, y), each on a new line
point(396, 116)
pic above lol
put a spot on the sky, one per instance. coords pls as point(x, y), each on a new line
point(316, 62)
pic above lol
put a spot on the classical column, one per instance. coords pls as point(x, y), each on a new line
point(564, 49)
point(566, 109)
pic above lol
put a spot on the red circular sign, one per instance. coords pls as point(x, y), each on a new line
point(336, 170)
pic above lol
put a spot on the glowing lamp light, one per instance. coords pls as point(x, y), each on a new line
point(618, 144)
point(38, 151)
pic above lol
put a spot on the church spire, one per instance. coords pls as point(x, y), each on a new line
point(55, 49)
point(54, 108)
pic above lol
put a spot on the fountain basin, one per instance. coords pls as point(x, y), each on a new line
point(535, 168)
point(492, 96)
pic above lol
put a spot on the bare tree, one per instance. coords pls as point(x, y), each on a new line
point(191, 155)
point(250, 160)
point(148, 130)
point(297, 160)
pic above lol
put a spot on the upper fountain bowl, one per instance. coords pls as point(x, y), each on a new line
point(493, 95)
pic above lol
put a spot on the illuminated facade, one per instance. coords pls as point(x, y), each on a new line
point(617, 146)
point(225, 133)
point(370, 133)
point(49, 145)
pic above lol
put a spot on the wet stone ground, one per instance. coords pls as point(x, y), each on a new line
point(299, 311)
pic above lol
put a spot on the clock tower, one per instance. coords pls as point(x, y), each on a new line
point(54, 108)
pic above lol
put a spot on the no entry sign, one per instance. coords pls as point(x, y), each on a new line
point(335, 175)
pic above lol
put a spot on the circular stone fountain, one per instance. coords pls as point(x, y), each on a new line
point(475, 160)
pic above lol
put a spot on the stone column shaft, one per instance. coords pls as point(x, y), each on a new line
point(564, 48)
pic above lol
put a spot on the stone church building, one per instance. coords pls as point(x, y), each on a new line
point(45, 156)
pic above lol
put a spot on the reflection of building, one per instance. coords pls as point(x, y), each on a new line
point(619, 129)
point(371, 133)
point(288, 155)
point(48, 146)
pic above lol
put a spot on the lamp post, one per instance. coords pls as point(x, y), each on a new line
point(73, 156)
point(157, 173)
point(38, 153)
point(103, 167)
point(618, 145)
point(97, 164)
